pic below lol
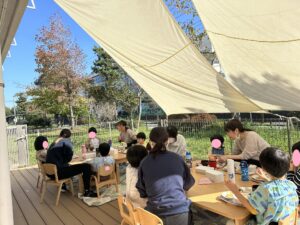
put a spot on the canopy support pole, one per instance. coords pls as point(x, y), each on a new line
point(6, 210)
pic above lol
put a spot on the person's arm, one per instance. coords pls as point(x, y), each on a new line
point(235, 190)
point(68, 152)
point(188, 179)
point(183, 147)
point(223, 158)
point(140, 185)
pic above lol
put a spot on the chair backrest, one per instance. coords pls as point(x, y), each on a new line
point(106, 170)
point(126, 210)
point(147, 218)
point(291, 219)
point(50, 169)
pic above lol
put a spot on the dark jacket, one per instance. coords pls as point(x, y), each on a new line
point(163, 179)
point(60, 153)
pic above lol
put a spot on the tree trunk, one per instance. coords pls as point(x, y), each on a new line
point(140, 112)
point(72, 117)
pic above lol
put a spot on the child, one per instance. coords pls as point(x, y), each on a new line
point(217, 150)
point(92, 142)
point(135, 155)
point(102, 157)
point(294, 172)
point(273, 200)
point(41, 146)
point(141, 138)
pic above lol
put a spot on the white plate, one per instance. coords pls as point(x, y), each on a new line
point(230, 198)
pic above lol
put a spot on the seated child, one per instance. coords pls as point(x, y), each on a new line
point(294, 172)
point(102, 157)
point(41, 146)
point(92, 143)
point(219, 150)
point(135, 155)
point(273, 200)
point(141, 138)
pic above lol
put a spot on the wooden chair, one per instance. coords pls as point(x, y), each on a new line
point(143, 217)
point(126, 210)
point(105, 171)
point(40, 175)
point(291, 219)
point(51, 169)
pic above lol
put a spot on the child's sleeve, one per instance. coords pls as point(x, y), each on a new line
point(259, 199)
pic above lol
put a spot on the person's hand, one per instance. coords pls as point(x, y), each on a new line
point(232, 186)
point(222, 158)
point(262, 174)
point(292, 167)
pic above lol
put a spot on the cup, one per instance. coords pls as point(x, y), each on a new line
point(212, 164)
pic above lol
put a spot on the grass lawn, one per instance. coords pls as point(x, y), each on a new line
point(197, 137)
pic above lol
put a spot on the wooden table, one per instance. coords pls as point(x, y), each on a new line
point(205, 196)
point(118, 157)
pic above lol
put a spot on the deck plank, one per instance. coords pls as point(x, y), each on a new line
point(29, 212)
point(99, 213)
point(43, 209)
point(18, 215)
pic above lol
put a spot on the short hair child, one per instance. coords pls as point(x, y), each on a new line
point(102, 157)
point(41, 153)
point(220, 150)
point(141, 137)
point(103, 150)
point(273, 200)
point(92, 129)
point(136, 154)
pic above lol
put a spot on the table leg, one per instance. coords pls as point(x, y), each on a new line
point(242, 221)
point(118, 172)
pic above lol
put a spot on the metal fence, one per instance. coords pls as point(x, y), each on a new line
point(281, 133)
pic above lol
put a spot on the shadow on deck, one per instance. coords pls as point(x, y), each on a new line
point(70, 211)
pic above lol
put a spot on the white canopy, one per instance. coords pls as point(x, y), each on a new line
point(258, 45)
point(145, 40)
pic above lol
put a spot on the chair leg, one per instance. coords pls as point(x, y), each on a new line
point(58, 194)
point(123, 222)
point(72, 187)
point(98, 191)
point(43, 192)
point(117, 187)
point(38, 181)
point(42, 184)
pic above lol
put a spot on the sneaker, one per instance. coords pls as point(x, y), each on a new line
point(90, 194)
point(64, 188)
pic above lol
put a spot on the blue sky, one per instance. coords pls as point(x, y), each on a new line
point(19, 68)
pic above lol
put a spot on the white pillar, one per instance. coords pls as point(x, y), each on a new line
point(6, 210)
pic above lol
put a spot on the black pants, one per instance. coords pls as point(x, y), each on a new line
point(73, 170)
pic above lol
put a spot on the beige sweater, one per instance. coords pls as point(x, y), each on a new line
point(250, 146)
point(131, 191)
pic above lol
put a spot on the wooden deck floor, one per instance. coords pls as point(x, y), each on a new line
point(70, 211)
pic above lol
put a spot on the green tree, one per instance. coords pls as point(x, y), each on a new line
point(61, 67)
point(186, 15)
point(9, 111)
point(21, 103)
point(113, 85)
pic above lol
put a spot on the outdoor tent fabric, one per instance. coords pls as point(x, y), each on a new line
point(258, 45)
point(148, 44)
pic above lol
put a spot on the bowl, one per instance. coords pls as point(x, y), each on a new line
point(204, 162)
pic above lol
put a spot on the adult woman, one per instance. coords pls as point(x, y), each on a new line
point(163, 178)
point(126, 134)
point(60, 153)
point(247, 144)
point(176, 142)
